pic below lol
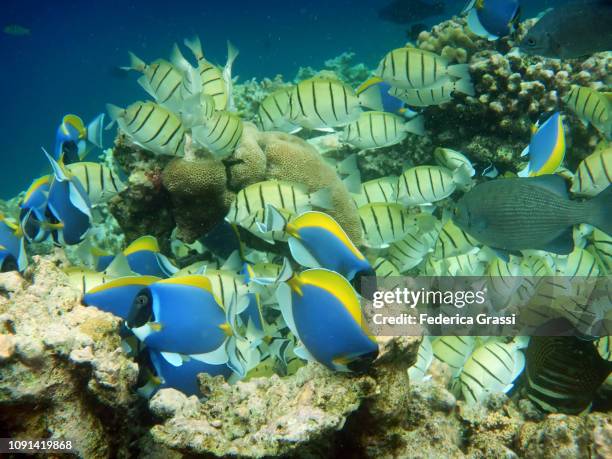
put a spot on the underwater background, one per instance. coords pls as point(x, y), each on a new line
point(69, 62)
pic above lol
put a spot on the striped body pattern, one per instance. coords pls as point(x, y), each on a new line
point(592, 107)
point(384, 223)
point(320, 103)
point(376, 130)
point(594, 174)
point(164, 81)
point(220, 133)
point(424, 185)
point(99, 181)
point(378, 190)
point(274, 111)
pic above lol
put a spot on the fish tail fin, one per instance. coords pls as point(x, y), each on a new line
point(115, 114)
point(232, 54)
point(415, 126)
point(94, 130)
point(352, 182)
point(369, 94)
point(195, 46)
point(136, 63)
point(461, 71)
point(322, 198)
point(601, 205)
point(348, 165)
point(465, 86)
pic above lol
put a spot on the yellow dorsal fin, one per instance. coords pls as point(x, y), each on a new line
point(75, 122)
point(367, 84)
point(147, 243)
point(123, 281)
point(36, 184)
point(193, 280)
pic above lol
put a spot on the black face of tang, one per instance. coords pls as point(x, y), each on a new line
point(357, 283)
point(363, 363)
point(142, 309)
point(9, 264)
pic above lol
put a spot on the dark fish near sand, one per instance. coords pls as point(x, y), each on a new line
point(16, 30)
point(570, 31)
point(529, 213)
point(409, 11)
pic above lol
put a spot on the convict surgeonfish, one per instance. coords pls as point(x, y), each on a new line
point(33, 208)
point(453, 350)
point(384, 223)
point(563, 373)
point(12, 248)
point(591, 107)
point(151, 127)
point(219, 134)
point(100, 183)
point(423, 185)
point(414, 68)
point(594, 174)
point(529, 213)
point(274, 111)
point(144, 257)
point(546, 149)
point(492, 368)
point(180, 374)
point(419, 241)
point(492, 19)
point(437, 93)
point(73, 140)
point(458, 163)
point(572, 30)
point(453, 241)
point(181, 315)
point(382, 189)
point(374, 94)
point(115, 296)
point(323, 104)
point(380, 129)
point(161, 80)
point(316, 240)
point(68, 206)
point(282, 195)
point(418, 371)
point(385, 268)
point(196, 110)
point(216, 82)
point(323, 311)
point(602, 243)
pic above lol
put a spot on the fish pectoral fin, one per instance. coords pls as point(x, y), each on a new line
point(562, 244)
point(551, 182)
point(301, 254)
point(216, 357)
point(303, 354)
point(172, 358)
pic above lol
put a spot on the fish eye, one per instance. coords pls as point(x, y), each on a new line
point(531, 42)
point(141, 311)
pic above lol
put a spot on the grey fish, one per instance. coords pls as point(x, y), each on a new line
point(570, 31)
point(529, 213)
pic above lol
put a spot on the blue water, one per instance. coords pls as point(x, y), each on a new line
point(66, 64)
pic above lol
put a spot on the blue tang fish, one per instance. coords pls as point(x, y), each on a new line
point(181, 315)
point(118, 295)
point(32, 216)
point(68, 205)
point(374, 94)
point(492, 19)
point(316, 240)
point(546, 149)
point(144, 257)
point(323, 310)
point(73, 140)
point(12, 248)
point(182, 377)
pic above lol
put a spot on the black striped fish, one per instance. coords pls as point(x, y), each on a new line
point(161, 80)
point(274, 112)
point(503, 279)
point(467, 264)
point(412, 249)
point(453, 160)
point(150, 126)
point(591, 107)
point(453, 351)
point(491, 369)
point(422, 185)
point(563, 373)
point(219, 134)
point(602, 243)
point(382, 189)
point(384, 223)
point(215, 81)
point(323, 103)
point(291, 197)
point(385, 268)
point(197, 110)
point(594, 173)
point(98, 181)
point(255, 223)
point(453, 241)
point(380, 129)
point(418, 371)
point(580, 263)
point(413, 68)
point(227, 284)
point(436, 94)
point(86, 279)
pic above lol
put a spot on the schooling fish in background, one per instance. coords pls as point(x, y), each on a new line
point(12, 247)
point(591, 107)
point(436, 94)
point(408, 11)
point(144, 257)
point(74, 140)
point(380, 129)
point(68, 206)
point(323, 310)
point(318, 241)
point(219, 134)
point(16, 30)
point(546, 149)
point(571, 31)
point(274, 112)
point(529, 213)
point(492, 19)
